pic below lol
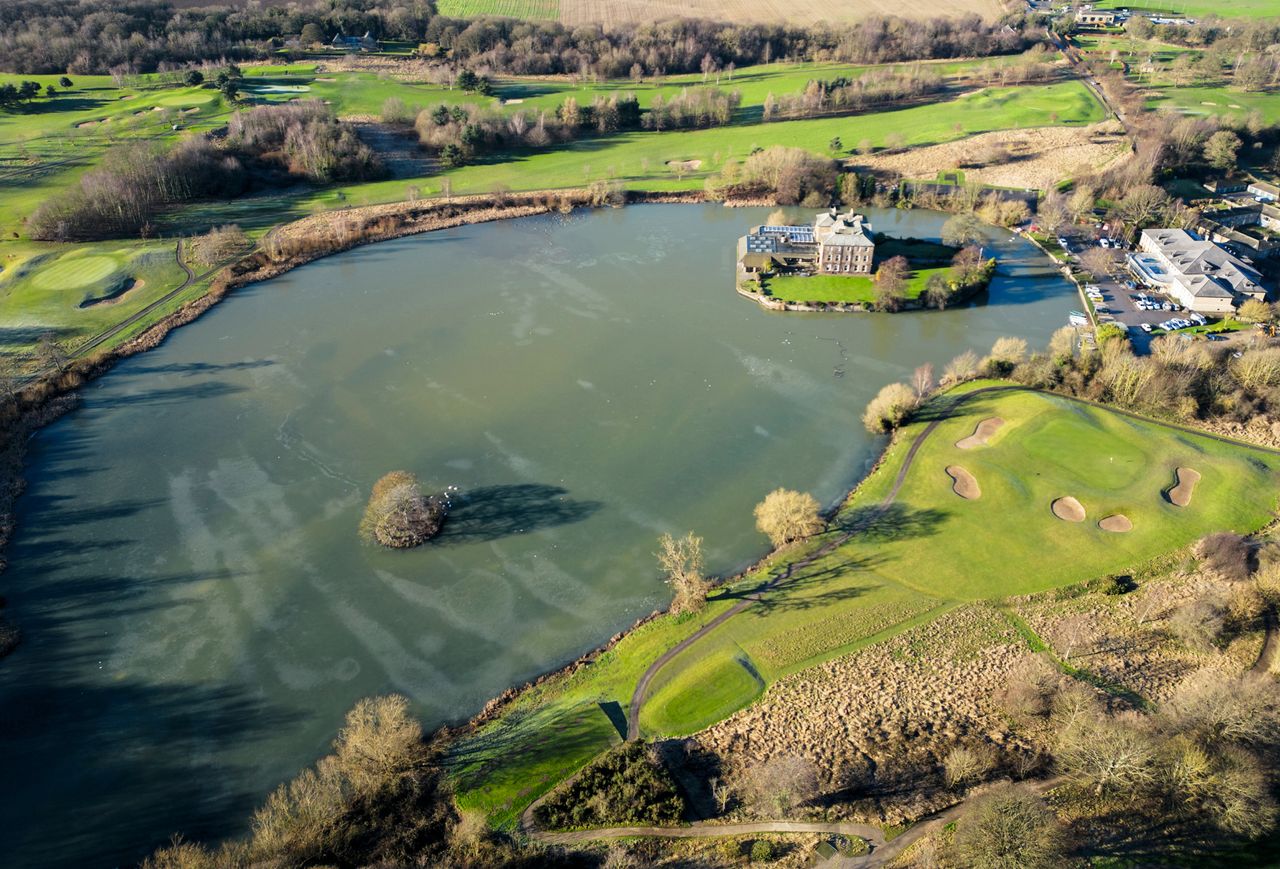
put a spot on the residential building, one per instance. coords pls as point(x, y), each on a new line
point(1264, 191)
point(1198, 274)
point(1097, 17)
point(355, 43)
point(836, 244)
point(844, 244)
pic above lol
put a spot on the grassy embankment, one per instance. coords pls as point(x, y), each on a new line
point(929, 552)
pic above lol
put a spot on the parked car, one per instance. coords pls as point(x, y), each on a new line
point(1146, 327)
point(1215, 337)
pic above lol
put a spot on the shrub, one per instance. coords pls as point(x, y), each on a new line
point(763, 851)
point(792, 175)
point(1009, 826)
point(219, 244)
point(681, 561)
point(965, 766)
point(891, 407)
point(625, 786)
point(785, 516)
point(1226, 554)
point(398, 515)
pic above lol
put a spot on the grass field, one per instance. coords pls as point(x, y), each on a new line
point(1198, 8)
point(76, 293)
point(1218, 101)
point(841, 288)
point(527, 9)
point(45, 150)
point(925, 555)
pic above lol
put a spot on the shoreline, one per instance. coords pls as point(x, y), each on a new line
point(284, 248)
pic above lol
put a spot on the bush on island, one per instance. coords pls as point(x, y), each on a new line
point(399, 515)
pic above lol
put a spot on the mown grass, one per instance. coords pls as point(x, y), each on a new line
point(1049, 448)
point(75, 293)
point(1217, 101)
point(904, 566)
point(1198, 8)
point(529, 10)
point(842, 288)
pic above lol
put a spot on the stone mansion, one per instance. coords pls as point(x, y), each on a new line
point(836, 244)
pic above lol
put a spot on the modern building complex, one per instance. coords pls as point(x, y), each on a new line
point(1198, 274)
point(836, 244)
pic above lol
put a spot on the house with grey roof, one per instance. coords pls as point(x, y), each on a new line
point(1199, 274)
point(355, 43)
point(836, 244)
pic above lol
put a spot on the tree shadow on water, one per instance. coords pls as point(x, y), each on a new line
point(493, 512)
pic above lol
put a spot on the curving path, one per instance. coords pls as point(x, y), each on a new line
point(642, 687)
point(880, 853)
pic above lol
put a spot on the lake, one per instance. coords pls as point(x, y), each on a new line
point(198, 611)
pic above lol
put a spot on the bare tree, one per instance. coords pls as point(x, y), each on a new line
point(1097, 261)
point(49, 354)
point(922, 380)
point(681, 560)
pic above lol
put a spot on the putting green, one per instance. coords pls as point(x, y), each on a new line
point(1009, 542)
point(73, 272)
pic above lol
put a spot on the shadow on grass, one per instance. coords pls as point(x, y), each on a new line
point(876, 524)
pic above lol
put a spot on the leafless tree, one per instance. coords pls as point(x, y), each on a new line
point(681, 560)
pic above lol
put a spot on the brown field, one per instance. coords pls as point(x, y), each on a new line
point(896, 707)
point(1128, 639)
point(1043, 156)
point(612, 12)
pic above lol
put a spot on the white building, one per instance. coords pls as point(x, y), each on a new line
point(1199, 274)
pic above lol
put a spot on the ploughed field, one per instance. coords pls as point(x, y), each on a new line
point(1012, 492)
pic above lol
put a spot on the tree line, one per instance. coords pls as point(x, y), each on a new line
point(267, 144)
point(98, 36)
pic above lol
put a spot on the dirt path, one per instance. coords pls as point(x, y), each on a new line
point(881, 852)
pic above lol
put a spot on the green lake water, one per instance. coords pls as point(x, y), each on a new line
point(197, 609)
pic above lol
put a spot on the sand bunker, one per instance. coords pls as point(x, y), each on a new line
point(1117, 523)
point(1068, 509)
point(963, 483)
point(1180, 495)
point(981, 434)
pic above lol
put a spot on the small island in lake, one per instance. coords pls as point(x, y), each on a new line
point(399, 515)
point(840, 264)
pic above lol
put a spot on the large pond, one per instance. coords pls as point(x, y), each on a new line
point(198, 611)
